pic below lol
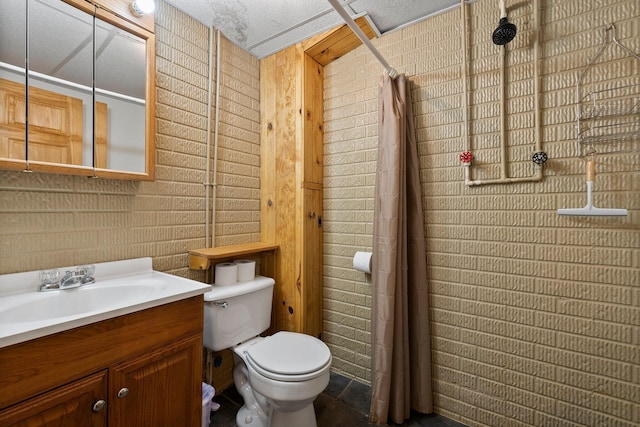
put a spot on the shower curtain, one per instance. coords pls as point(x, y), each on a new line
point(401, 350)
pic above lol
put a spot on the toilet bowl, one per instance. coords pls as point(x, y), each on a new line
point(278, 376)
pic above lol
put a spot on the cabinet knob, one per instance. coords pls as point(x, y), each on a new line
point(123, 392)
point(99, 405)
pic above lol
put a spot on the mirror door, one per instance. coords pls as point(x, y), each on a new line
point(13, 30)
point(120, 103)
point(60, 86)
point(89, 89)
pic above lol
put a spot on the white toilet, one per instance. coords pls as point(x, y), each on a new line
point(278, 376)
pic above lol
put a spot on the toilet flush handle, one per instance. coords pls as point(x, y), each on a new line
point(222, 304)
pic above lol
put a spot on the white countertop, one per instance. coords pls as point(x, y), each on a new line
point(121, 287)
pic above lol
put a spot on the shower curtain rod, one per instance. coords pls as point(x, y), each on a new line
point(358, 32)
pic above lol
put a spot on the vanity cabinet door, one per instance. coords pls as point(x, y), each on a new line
point(160, 389)
point(80, 403)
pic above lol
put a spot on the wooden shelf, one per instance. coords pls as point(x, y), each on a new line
point(201, 259)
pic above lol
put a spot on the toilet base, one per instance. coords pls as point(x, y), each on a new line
point(303, 417)
point(244, 418)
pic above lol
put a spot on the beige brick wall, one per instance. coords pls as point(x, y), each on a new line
point(535, 317)
point(54, 220)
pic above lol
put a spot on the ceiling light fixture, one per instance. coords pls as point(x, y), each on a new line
point(143, 7)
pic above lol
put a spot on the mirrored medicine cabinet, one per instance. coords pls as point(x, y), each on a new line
point(77, 86)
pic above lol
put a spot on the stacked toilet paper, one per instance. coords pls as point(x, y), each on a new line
point(229, 273)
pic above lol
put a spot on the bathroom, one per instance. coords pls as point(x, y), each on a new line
point(535, 317)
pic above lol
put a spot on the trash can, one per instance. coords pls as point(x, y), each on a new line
point(207, 394)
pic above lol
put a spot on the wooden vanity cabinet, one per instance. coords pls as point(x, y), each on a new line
point(155, 389)
point(146, 367)
point(69, 405)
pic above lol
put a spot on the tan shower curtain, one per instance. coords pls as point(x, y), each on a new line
point(401, 350)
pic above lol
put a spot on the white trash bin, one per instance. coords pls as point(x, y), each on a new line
point(207, 394)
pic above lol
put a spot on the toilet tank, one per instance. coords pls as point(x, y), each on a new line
point(236, 313)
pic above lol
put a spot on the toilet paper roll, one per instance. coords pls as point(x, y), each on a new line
point(246, 270)
point(362, 261)
point(226, 274)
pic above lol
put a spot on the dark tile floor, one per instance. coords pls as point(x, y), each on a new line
point(344, 403)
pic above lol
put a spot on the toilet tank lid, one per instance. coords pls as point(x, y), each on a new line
point(218, 293)
point(290, 353)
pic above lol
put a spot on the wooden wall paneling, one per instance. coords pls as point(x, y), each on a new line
point(312, 141)
point(312, 280)
point(288, 170)
point(313, 121)
point(267, 148)
point(268, 161)
point(279, 101)
point(292, 114)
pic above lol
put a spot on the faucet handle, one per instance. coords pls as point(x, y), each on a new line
point(86, 273)
point(86, 270)
point(49, 277)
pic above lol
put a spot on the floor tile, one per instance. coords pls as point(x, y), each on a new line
point(337, 384)
point(357, 396)
point(342, 415)
point(225, 416)
point(323, 403)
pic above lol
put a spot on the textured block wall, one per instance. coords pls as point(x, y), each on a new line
point(51, 220)
point(535, 317)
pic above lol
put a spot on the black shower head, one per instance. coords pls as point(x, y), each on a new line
point(505, 32)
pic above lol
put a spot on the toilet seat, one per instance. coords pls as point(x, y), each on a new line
point(289, 357)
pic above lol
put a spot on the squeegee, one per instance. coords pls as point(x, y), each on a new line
point(589, 209)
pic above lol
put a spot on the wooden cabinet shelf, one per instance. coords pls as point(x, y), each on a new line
point(202, 259)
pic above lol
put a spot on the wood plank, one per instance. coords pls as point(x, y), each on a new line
point(311, 209)
point(268, 154)
point(331, 45)
point(232, 251)
point(312, 278)
point(287, 200)
point(313, 122)
point(268, 157)
point(197, 262)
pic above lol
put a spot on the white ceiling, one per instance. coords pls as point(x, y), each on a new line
point(263, 27)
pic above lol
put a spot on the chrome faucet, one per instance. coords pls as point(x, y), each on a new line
point(50, 279)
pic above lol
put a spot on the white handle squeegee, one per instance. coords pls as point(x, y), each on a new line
point(589, 209)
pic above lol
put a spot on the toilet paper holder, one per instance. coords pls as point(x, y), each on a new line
point(362, 261)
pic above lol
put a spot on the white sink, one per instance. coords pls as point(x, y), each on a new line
point(53, 305)
point(121, 287)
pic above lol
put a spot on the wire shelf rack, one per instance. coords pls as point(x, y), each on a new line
point(608, 118)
